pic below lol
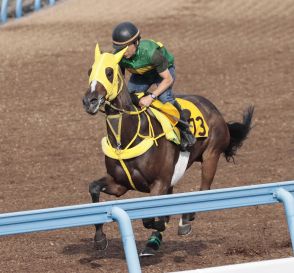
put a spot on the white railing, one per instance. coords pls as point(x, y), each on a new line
point(123, 211)
point(18, 7)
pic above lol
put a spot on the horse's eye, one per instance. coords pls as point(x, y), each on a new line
point(109, 73)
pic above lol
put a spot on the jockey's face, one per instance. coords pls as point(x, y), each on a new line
point(130, 51)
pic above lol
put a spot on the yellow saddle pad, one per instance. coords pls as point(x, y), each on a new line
point(169, 110)
point(171, 133)
point(198, 127)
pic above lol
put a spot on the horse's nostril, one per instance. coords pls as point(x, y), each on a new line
point(93, 101)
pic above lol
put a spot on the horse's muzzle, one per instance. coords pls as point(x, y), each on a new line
point(92, 106)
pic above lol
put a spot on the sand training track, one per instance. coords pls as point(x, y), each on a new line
point(235, 53)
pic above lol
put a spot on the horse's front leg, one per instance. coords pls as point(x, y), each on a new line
point(107, 185)
point(159, 225)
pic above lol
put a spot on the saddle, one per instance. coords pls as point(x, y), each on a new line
point(168, 116)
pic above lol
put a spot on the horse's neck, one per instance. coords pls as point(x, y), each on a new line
point(123, 99)
point(129, 123)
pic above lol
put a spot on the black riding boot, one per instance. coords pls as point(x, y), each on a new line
point(187, 138)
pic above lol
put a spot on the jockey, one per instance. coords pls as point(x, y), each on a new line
point(149, 63)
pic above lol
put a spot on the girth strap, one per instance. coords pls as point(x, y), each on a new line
point(127, 153)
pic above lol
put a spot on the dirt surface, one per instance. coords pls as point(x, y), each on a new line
point(235, 53)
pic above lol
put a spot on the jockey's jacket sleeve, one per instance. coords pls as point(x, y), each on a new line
point(159, 61)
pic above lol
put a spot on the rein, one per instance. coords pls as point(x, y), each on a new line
point(117, 134)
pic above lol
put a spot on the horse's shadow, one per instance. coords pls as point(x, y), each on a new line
point(115, 251)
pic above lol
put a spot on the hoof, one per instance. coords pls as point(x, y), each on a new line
point(147, 252)
point(184, 230)
point(101, 244)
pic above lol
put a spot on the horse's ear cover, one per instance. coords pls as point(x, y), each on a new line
point(97, 52)
point(118, 56)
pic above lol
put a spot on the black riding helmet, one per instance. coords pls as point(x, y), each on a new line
point(124, 34)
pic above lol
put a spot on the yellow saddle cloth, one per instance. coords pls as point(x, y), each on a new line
point(198, 125)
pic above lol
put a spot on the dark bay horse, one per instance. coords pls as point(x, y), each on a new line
point(152, 171)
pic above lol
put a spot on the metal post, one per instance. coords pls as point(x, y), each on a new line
point(288, 201)
point(128, 239)
point(37, 5)
point(4, 8)
point(18, 9)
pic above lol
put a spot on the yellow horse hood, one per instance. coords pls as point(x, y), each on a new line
point(103, 61)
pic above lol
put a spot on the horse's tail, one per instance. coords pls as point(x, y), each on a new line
point(238, 133)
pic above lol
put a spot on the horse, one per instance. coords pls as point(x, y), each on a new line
point(128, 126)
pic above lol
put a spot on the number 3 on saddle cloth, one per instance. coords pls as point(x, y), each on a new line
point(168, 116)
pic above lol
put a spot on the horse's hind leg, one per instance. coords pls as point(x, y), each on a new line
point(185, 224)
point(106, 185)
point(208, 170)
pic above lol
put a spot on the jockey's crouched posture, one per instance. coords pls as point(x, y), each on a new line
point(149, 63)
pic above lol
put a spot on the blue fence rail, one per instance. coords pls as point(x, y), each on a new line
point(19, 8)
point(123, 211)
